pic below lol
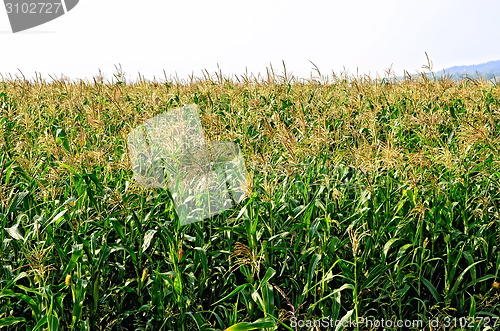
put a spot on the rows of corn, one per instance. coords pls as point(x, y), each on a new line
point(367, 198)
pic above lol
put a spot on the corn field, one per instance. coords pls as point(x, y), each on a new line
point(367, 199)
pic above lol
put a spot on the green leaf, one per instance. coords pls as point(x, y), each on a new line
point(116, 247)
point(431, 288)
point(201, 253)
point(77, 252)
point(79, 289)
point(178, 284)
point(118, 228)
point(40, 323)
point(235, 291)
point(334, 292)
point(459, 279)
point(269, 274)
point(388, 246)
point(374, 275)
point(58, 216)
point(24, 297)
point(8, 321)
point(15, 202)
point(15, 279)
point(258, 324)
point(472, 309)
point(53, 323)
point(68, 167)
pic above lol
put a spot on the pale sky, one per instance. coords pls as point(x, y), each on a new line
point(185, 37)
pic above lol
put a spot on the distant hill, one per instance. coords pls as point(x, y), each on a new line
point(488, 70)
